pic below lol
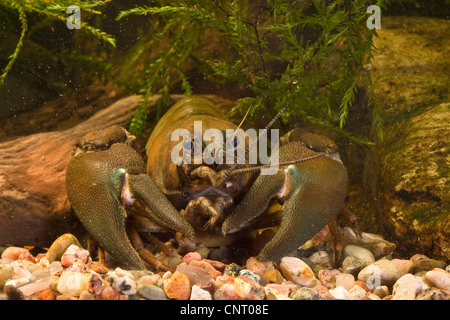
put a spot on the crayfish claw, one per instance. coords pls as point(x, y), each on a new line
point(318, 189)
point(158, 207)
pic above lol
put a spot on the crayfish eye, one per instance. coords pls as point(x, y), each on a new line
point(188, 144)
point(199, 143)
point(88, 147)
point(235, 142)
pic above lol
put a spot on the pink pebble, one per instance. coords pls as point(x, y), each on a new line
point(259, 267)
point(109, 293)
point(40, 256)
point(197, 276)
point(17, 253)
point(226, 292)
point(67, 260)
point(192, 256)
point(220, 266)
point(322, 291)
point(95, 285)
point(207, 267)
point(403, 265)
point(327, 278)
point(278, 289)
point(72, 253)
point(34, 287)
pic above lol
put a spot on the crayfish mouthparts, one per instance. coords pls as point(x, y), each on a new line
point(205, 172)
point(210, 191)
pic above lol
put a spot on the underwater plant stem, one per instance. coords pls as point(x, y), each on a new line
point(254, 25)
point(13, 57)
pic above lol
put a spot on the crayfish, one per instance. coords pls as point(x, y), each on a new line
point(214, 202)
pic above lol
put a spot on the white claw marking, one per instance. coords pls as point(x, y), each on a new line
point(285, 190)
point(126, 194)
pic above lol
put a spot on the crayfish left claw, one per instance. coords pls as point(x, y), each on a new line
point(318, 189)
point(313, 191)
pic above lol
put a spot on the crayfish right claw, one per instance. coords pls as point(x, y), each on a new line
point(157, 205)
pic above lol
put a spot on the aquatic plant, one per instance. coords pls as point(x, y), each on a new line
point(55, 11)
point(309, 55)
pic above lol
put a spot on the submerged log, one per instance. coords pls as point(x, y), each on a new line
point(34, 208)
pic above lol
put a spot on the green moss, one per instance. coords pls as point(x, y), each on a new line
point(309, 56)
point(40, 12)
point(427, 215)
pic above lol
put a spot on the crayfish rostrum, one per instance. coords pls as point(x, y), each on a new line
point(213, 202)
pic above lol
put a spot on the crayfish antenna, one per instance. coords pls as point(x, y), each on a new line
point(281, 164)
point(227, 174)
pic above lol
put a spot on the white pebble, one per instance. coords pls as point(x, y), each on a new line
point(364, 255)
point(381, 272)
point(321, 257)
point(123, 281)
point(198, 293)
point(34, 287)
point(43, 262)
point(341, 293)
point(17, 282)
point(149, 279)
point(86, 295)
point(438, 278)
point(345, 280)
point(408, 287)
point(73, 283)
point(55, 267)
point(20, 272)
point(373, 297)
point(297, 271)
point(242, 288)
point(357, 292)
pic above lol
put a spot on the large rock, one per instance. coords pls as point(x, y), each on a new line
point(408, 172)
